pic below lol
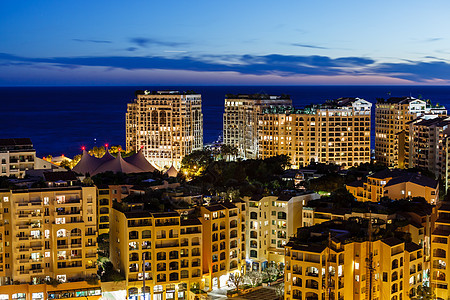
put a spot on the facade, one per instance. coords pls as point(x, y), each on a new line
point(163, 248)
point(271, 221)
point(395, 184)
point(241, 118)
point(440, 250)
point(223, 248)
point(392, 116)
point(49, 235)
point(166, 125)
point(334, 132)
point(349, 268)
point(16, 157)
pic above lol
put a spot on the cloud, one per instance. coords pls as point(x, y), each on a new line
point(430, 40)
point(417, 71)
point(257, 65)
point(308, 46)
point(146, 42)
point(92, 41)
point(131, 49)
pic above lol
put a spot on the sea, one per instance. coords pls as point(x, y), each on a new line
point(60, 120)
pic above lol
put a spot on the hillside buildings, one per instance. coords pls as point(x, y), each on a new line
point(167, 125)
point(241, 118)
point(391, 127)
point(334, 132)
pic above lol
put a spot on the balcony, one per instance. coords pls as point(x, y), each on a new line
point(166, 223)
point(65, 213)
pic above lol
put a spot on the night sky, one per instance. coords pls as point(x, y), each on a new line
point(224, 42)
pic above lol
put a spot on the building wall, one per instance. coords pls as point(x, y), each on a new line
point(375, 188)
point(166, 125)
point(408, 189)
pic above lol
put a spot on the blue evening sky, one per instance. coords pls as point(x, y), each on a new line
point(224, 42)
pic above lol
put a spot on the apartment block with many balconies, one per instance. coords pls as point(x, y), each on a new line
point(50, 236)
point(271, 221)
point(332, 263)
point(16, 157)
point(163, 248)
point(223, 242)
point(334, 132)
point(392, 137)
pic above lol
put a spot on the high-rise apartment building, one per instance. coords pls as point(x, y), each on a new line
point(167, 125)
point(271, 221)
point(334, 132)
point(392, 142)
point(429, 145)
point(49, 243)
point(241, 118)
point(16, 157)
point(333, 263)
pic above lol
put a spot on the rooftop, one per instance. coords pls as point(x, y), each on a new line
point(257, 97)
point(60, 176)
point(16, 144)
point(146, 92)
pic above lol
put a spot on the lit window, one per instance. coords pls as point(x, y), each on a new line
point(60, 220)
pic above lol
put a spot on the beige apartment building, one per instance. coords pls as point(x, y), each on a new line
point(396, 184)
point(49, 243)
point(223, 247)
point(167, 125)
point(241, 118)
point(440, 253)
point(163, 248)
point(271, 221)
point(351, 269)
point(16, 157)
point(392, 117)
point(429, 145)
point(337, 132)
